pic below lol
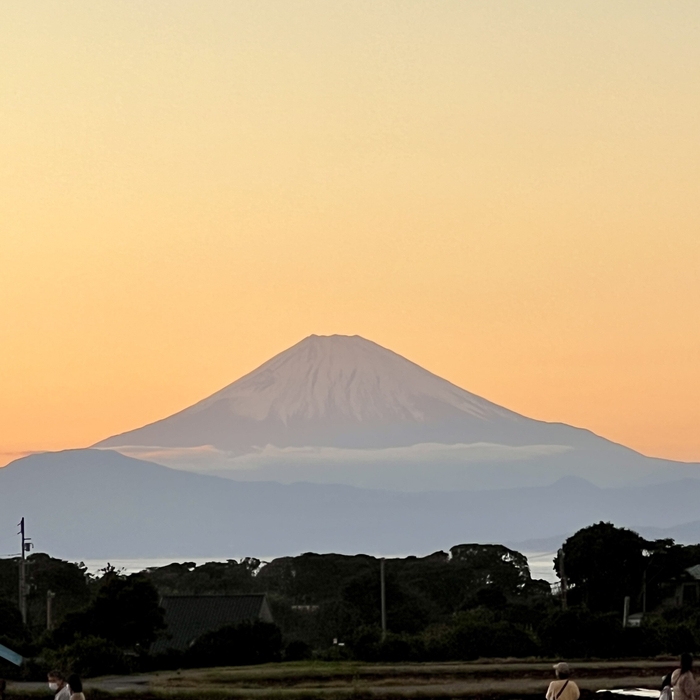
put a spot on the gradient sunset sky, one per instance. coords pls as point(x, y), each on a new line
point(507, 193)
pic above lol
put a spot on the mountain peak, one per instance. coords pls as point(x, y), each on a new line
point(342, 390)
point(344, 376)
point(343, 409)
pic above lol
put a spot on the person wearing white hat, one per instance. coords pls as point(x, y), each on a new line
point(563, 688)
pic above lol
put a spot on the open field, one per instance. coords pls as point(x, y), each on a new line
point(327, 681)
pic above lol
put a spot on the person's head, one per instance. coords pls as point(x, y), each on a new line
point(76, 685)
point(56, 680)
point(562, 670)
point(686, 662)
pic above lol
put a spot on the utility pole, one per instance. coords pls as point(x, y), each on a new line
point(50, 595)
point(625, 611)
point(383, 594)
point(562, 576)
point(26, 546)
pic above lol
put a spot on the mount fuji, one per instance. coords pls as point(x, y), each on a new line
point(369, 452)
point(344, 410)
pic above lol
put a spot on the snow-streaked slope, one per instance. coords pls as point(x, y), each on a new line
point(344, 392)
point(346, 377)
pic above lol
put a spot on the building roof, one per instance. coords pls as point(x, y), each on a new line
point(694, 571)
point(189, 617)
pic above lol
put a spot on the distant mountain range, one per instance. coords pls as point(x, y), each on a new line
point(82, 504)
point(345, 410)
point(338, 444)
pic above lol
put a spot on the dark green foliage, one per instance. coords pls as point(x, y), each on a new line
point(471, 635)
point(12, 628)
point(482, 633)
point(318, 598)
point(368, 645)
point(313, 578)
point(604, 564)
point(237, 645)
point(677, 628)
point(492, 565)
point(124, 612)
point(667, 562)
point(579, 633)
point(297, 650)
point(492, 598)
point(213, 578)
point(399, 647)
point(345, 590)
point(68, 581)
point(475, 601)
point(407, 609)
point(89, 657)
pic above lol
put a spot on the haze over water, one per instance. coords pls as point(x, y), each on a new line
point(540, 564)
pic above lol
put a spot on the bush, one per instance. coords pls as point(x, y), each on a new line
point(297, 650)
point(577, 632)
point(473, 639)
point(365, 642)
point(368, 645)
point(642, 641)
point(470, 636)
point(679, 639)
point(237, 645)
point(125, 611)
point(12, 628)
point(401, 647)
point(169, 660)
point(89, 657)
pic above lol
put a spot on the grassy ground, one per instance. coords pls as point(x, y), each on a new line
point(503, 679)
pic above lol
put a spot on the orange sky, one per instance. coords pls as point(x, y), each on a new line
point(506, 193)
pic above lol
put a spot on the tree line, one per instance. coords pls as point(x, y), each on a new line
point(474, 601)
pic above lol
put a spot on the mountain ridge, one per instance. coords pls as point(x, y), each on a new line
point(343, 409)
point(95, 504)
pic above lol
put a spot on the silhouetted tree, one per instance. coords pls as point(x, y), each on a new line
point(237, 645)
point(125, 612)
point(604, 564)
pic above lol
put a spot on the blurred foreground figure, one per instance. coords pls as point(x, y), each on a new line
point(76, 687)
point(563, 688)
point(683, 680)
point(57, 683)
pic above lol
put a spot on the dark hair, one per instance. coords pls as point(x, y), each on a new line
point(76, 685)
point(563, 674)
point(686, 662)
point(57, 675)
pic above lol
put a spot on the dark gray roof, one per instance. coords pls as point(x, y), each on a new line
point(189, 617)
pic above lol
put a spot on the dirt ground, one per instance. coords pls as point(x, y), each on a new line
point(503, 679)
